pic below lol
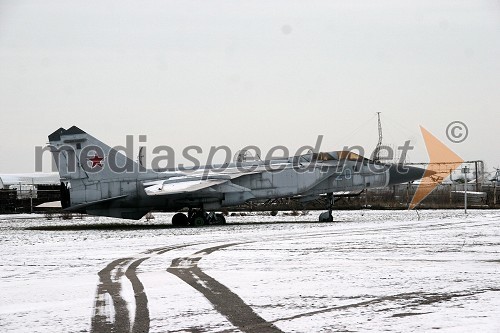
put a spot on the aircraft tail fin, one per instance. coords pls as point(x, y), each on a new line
point(78, 155)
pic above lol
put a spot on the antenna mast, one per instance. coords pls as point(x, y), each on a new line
point(376, 155)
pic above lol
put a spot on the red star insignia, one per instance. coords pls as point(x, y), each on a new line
point(96, 161)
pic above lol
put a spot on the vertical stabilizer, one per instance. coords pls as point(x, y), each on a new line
point(78, 155)
point(93, 174)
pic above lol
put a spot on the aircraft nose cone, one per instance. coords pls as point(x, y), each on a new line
point(399, 173)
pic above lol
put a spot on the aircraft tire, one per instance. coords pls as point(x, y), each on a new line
point(180, 220)
point(198, 221)
point(220, 219)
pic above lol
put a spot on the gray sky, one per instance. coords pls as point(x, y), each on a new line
point(237, 73)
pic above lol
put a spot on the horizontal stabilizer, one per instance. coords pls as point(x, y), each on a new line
point(91, 203)
point(49, 204)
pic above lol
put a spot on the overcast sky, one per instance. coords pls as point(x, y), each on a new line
point(242, 73)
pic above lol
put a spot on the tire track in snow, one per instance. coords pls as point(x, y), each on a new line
point(141, 322)
point(110, 285)
point(413, 299)
point(104, 320)
point(242, 315)
point(112, 314)
point(227, 303)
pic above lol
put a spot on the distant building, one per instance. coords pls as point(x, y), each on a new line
point(21, 192)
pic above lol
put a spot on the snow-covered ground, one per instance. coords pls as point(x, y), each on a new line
point(369, 271)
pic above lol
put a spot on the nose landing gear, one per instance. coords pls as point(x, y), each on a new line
point(327, 216)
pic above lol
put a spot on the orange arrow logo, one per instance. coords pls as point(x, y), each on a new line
point(442, 161)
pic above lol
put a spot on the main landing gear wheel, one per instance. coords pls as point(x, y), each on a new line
point(220, 219)
point(198, 220)
point(180, 220)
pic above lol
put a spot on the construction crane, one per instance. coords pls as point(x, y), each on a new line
point(376, 153)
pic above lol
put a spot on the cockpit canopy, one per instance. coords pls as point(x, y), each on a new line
point(340, 155)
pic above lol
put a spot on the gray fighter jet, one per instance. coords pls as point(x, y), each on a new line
point(98, 180)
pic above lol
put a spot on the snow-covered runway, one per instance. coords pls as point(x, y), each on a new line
point(370, 270)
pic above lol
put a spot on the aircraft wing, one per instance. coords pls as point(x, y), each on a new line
point(196, 182)
point(184, 186)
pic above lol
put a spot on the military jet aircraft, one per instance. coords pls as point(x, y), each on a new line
point(98, 180)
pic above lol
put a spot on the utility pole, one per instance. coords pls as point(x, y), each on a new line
point(495, 183)
point(477, 176)
point(376, 155)
point(494, 194)
point(465, 170)
point(31, 194)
